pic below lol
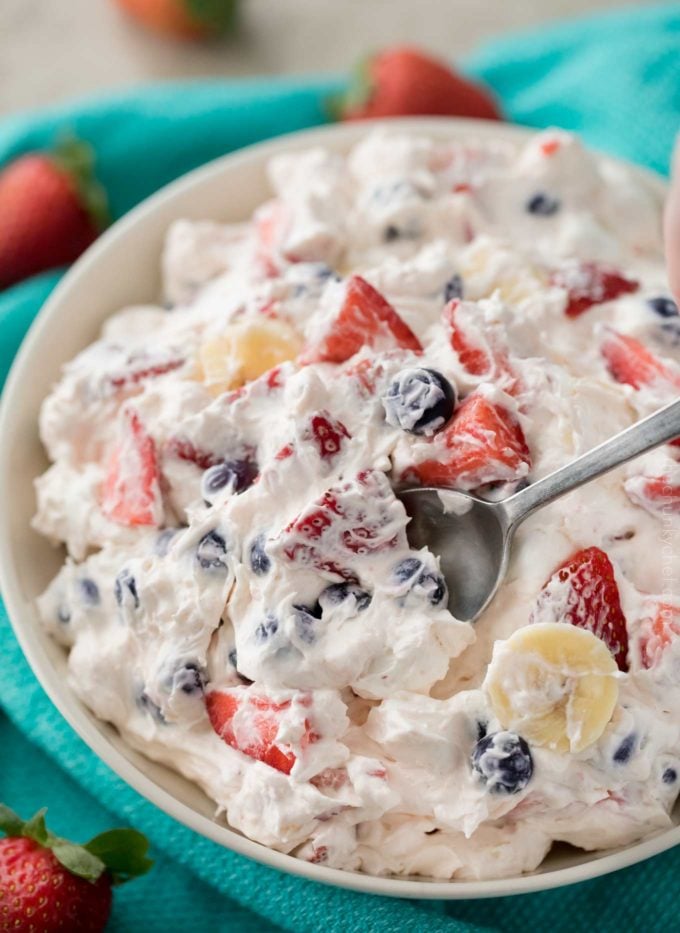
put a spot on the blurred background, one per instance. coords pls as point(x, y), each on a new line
point(51, 50)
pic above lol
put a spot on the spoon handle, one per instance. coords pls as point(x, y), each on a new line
point(645, 435)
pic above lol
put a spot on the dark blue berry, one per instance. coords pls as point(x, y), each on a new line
point(625, 750)
point(190, 678)
point(144, 702)
point(419, 401)
point(237, 474)
point(266, 629)
point(162, 544)
point(420, 581)
point(89, 591)
point(669, 776)
point(233, 658)
point(259, 559)
point(453, 288)
point(663, 306)
point(482, 729)
point(542, 204)
point(503, 762)
point(306, 622)
point(125, 589)
point(337, 593)
point(211, 551)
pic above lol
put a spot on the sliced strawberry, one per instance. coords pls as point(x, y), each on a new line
point(350, 520)
point(140, 370)
point(250, 723)
point(327, 433)
point(477, 351)
point(365, 319)
point(270, 225)
point(183, 449)
point(630, 362)
point(583, 592)
point(483, 443)
point(657, 631)
point(589, 283)
point(131, 492)
point(655, 493)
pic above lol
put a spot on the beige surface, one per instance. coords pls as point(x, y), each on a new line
point(53, 49)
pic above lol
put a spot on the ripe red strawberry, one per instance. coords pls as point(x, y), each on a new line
point(365, 319)
point(327, 433)
point(51, 209)
point(476, 350)
point(658, 629)
point(483, 443)
point(184, 449)
point(183, 19)
point(48, 884)
point(654, 493)
point(583, 592)
point(403, 81)
point(131, 491)
point(270, 224)
point(589, 284)
point(143, 368)
point(255, 729)
point(630, 362)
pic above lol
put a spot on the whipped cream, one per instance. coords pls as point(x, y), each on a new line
point(239, 596)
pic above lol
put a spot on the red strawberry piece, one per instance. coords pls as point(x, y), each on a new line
point(286, 451)
point(319, 855)
point(589, 283)
point(330, 779)
point(365, 319)
point(49, 884)
point(183, 19)
point(403, 81)
point(327, 433)
point(131, 492)
point(250, 723)
point(477, 351)
point(183, 449)
point(482, 443)
point(657, 630)
point(630, 362)
point(654, 493)
point(271, 221)
point(352, 519)
point(141, 370)
point(583, 592)
point(51, 209)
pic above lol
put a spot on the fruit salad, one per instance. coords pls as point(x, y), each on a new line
point(239, 596)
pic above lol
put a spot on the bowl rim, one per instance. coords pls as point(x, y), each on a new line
point(76, 714)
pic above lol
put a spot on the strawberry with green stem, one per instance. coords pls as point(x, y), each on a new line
point(48, 883)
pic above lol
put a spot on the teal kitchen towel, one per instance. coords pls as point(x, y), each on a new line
point(616, 80)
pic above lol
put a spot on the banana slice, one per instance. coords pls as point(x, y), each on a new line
point(554, 684)
point(244, 352)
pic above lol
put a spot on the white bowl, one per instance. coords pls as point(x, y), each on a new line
point(123, 268)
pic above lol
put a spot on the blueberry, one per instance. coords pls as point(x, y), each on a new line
point(190, 678)
point(337, 593)
point(162, 543)
point(233, 659)
point(306, 620)
point(419, 401)
point(144, 702)
point(266, 629)
point(211, 551)
point(420, 581)
point(259, 559)
point(669, 776)
point(542, 204)
point(503, 762)
point(237, 474)
point(89, 591)
point(663, 306)
point(482, 729)
point(125, 590)
point(625, 750)
point(453, 288)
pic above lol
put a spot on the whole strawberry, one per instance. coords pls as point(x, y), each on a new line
point(49, 884)
point(183, 19)
point(404, 81)
point(51, 209)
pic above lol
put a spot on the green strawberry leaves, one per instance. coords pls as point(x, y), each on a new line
point(357, 94)
point(76, 157)
point(119, 852)
point(216, 15)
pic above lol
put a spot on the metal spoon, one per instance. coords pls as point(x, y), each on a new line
point(473, 537)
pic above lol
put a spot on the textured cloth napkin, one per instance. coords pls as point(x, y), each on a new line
point(616, 80)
